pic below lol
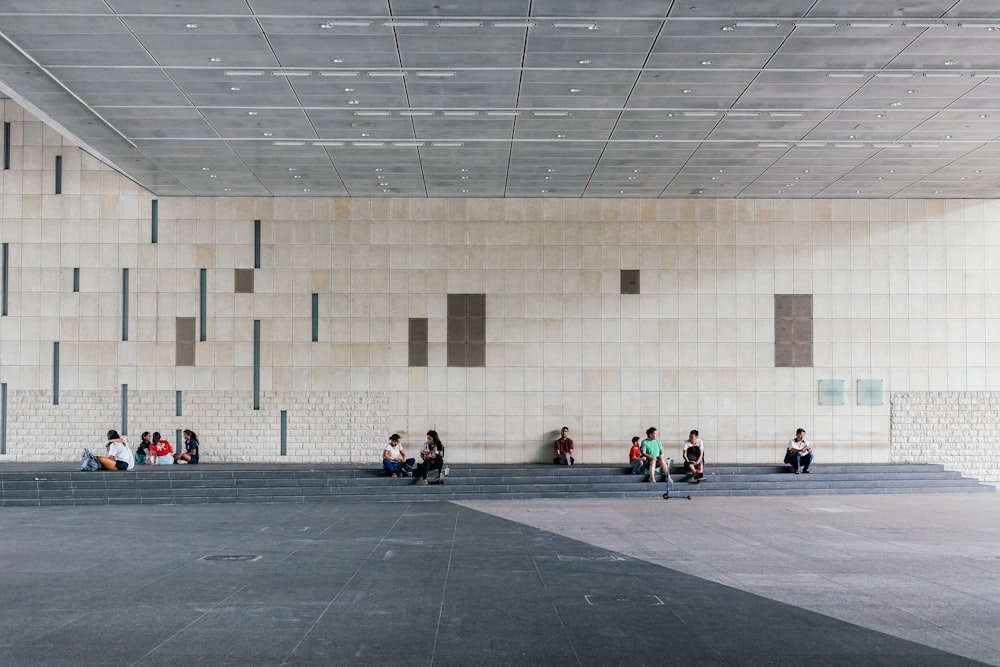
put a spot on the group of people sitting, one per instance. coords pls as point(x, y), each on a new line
point(649, 456)
point(152, 450)
point(395, 463)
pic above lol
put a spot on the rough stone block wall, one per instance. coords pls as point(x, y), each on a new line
point(331, 427)
point(960, 429)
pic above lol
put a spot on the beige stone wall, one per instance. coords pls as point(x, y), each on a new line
point(904, 291)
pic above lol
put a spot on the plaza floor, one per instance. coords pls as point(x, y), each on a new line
point(859, 580)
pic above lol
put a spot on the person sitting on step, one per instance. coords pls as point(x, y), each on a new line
point(564, 448)
point(162, 451)
point(799, 452)
point(394, 460)
point(693, 455)
point(431, 458)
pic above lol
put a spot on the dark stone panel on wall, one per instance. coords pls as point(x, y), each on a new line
point(793, 330)
point(243, 281)
point(185, 341)
point(630, 281)
point(418, 341)
point(466, 330)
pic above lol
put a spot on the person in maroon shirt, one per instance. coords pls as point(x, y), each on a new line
point(564, 448)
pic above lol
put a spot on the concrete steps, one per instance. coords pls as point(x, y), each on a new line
point(52, 484)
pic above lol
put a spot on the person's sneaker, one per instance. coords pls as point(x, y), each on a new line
point(807, 471)
point(796, 472)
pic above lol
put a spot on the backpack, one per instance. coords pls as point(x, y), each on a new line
point(89, 462)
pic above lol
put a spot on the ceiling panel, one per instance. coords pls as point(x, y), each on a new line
point(513, 98)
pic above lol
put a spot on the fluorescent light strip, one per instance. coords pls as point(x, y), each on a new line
point(386, 74)
point(461, 113)
point(894, 75)
point(846, 75)
point(587, 26)
point(887, 145)
point(756, 24)
point(290, 73)
point(817, 24)
point(328, 143)
point(371, 113)
point(345, 24)
point(514, 24)
point(810, 144)
point(408, 144)
point(436, 74)
point(448, 144)
point(911, 24)
point(785, 114)
point(743, 114)
point(552, 114)
point(988, 26)
point(701, 114)
point(772, 145)
point(405, 24)
point(368, 144)
point(943, 75)
point(243, 72)
point(503, 113)
point(339, 73)
point(925, 145)
point(416, 113)
point(460, 24)
point(848, 145)
point(288, 143)
point(866, 24)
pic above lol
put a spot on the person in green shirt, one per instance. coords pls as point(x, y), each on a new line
point(652, 451)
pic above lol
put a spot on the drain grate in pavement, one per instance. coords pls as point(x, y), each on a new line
point(230, 558)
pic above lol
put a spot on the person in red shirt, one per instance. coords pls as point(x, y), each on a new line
point(564, 448)
point(635, 457)
point(162, 452)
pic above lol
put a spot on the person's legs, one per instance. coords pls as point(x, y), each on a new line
point(666, 468)
point(107, 462)
point(796, 462)
point(389, 466)
point(637, 466)
point(807, 461)
point(652, 469)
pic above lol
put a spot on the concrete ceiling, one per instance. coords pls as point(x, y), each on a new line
point(520, 98)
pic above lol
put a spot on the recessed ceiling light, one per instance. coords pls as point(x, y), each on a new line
point(632, 178)
point(912, 91)
point(235, 89)
point(621, 192)
point(700, 192)
point(366, 134)
point(574, 90)
point(892, 171)
point(815, 24)
point(550, 170)
point(226, 189)
point(706, 62)
point(353, 102)
point(984, 115)
point(543, 191)
point(560, 136)
point(297, 176)
point(547, 178)
point(636, 171)
point(714, 178)
point(215, 60)
point(338, 60)
point(951, 62)
point(585, 61)
point(212, 176)
point(687, 91)
point(206, 169)
point(465, 178)
point(306, 190)
point(880, 178)
point(895, 104)
point(268, 134)
point(880, 115)
point(251, 113)
point(727, 28)
point(657, 136)
point(192, 26)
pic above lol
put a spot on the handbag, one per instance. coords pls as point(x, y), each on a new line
point(789, 456)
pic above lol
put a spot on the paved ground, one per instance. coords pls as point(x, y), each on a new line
point(861, 580)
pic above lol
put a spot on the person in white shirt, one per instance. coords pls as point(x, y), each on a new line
point(394, 459)
point(800, 452)
point(693, 455)
point(119, 456)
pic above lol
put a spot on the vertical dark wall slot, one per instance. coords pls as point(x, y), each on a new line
point(55, 373)
point(417, 342)
point(59, 174)
point(315, 317)
point(256, 364)
point(203, 305)
point(124, 304)
point(154, 222)
point(256, 244)
point(6, 146)
point(178, 412)
point(4, 271)
point(184, 342)
point(76, 279)
point(124, 409)
point(3, 418)
point(284, 432)
point(178, 442)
